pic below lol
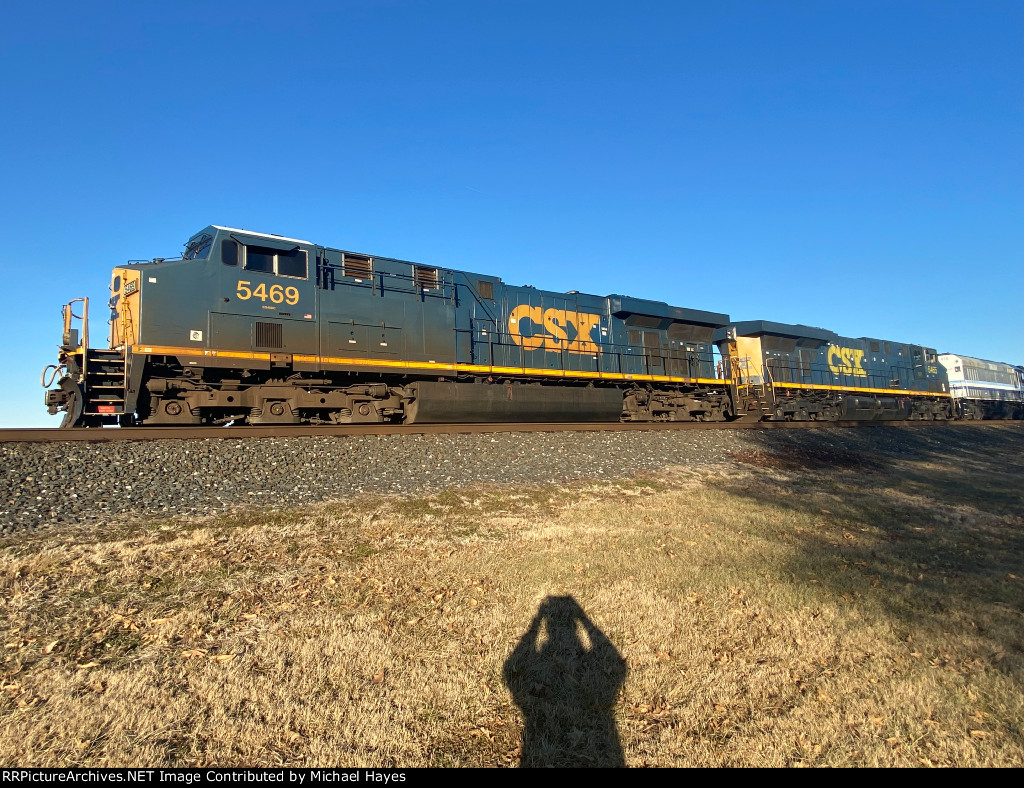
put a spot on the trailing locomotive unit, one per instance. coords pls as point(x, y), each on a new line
point(984, 389)
point(261, 329)
point(798, 373)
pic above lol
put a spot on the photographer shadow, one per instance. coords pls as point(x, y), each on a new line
point(565, 675)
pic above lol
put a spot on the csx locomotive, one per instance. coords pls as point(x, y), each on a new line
point(250, 328)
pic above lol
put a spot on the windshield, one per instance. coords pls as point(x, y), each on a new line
point(198, 247)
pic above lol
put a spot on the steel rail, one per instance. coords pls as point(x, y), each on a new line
point(98, 434)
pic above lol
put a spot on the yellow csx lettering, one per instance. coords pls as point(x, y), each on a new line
point(550, 329)
point(846, 361)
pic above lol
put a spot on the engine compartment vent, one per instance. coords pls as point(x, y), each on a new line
point(269, 335)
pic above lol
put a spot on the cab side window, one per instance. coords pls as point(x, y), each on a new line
point(259, 258)
point(229, 252)
point(292, 263)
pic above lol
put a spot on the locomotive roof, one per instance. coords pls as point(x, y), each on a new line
point(748, 328)
point(976, 360)
point(622, 306)
point(258, 235)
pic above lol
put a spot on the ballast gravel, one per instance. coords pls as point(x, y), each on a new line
point(49, 484)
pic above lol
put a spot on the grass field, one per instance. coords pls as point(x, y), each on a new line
point(795, 609)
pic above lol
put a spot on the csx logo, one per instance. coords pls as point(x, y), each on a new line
point(551, 329)
point(846, 361)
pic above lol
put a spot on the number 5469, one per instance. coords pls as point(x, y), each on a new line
point(275, 294)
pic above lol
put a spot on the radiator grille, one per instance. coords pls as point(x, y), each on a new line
point(269, 335)
point(425, 277)
point(358, 265)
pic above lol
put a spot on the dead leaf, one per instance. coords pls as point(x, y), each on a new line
point(248, 616)
point(379, 677)
point(195, 652)
point(979, 734)
point(88, 665)
point(412, 622)
point(50, 647)
point(160, 620)
point(223, 657)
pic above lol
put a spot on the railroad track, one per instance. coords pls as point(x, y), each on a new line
point(53, 435)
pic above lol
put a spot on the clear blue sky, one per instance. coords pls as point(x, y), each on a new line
point(853, 165)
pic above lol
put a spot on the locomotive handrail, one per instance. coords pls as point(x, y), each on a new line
point(68, 313)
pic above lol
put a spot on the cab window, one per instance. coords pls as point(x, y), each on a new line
point(259, 258)
point(229, 252)
point(198, 248)
point(292, 262)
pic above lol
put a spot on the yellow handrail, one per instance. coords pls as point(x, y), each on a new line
point(68, 314)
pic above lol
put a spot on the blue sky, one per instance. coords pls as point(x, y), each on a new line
point(852, 165)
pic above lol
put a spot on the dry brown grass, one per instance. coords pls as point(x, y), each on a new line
point(774, 611)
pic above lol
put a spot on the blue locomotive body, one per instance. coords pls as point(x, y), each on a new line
point(804, 373)
point(266, 329)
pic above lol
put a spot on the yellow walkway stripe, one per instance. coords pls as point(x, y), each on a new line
point(164, 350)
point(901, 392)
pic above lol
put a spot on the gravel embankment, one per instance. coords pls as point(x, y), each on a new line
point(47, 484)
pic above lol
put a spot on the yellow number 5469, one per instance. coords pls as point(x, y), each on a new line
point(276, 293)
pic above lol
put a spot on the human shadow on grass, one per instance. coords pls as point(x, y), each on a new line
point(565, 675)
